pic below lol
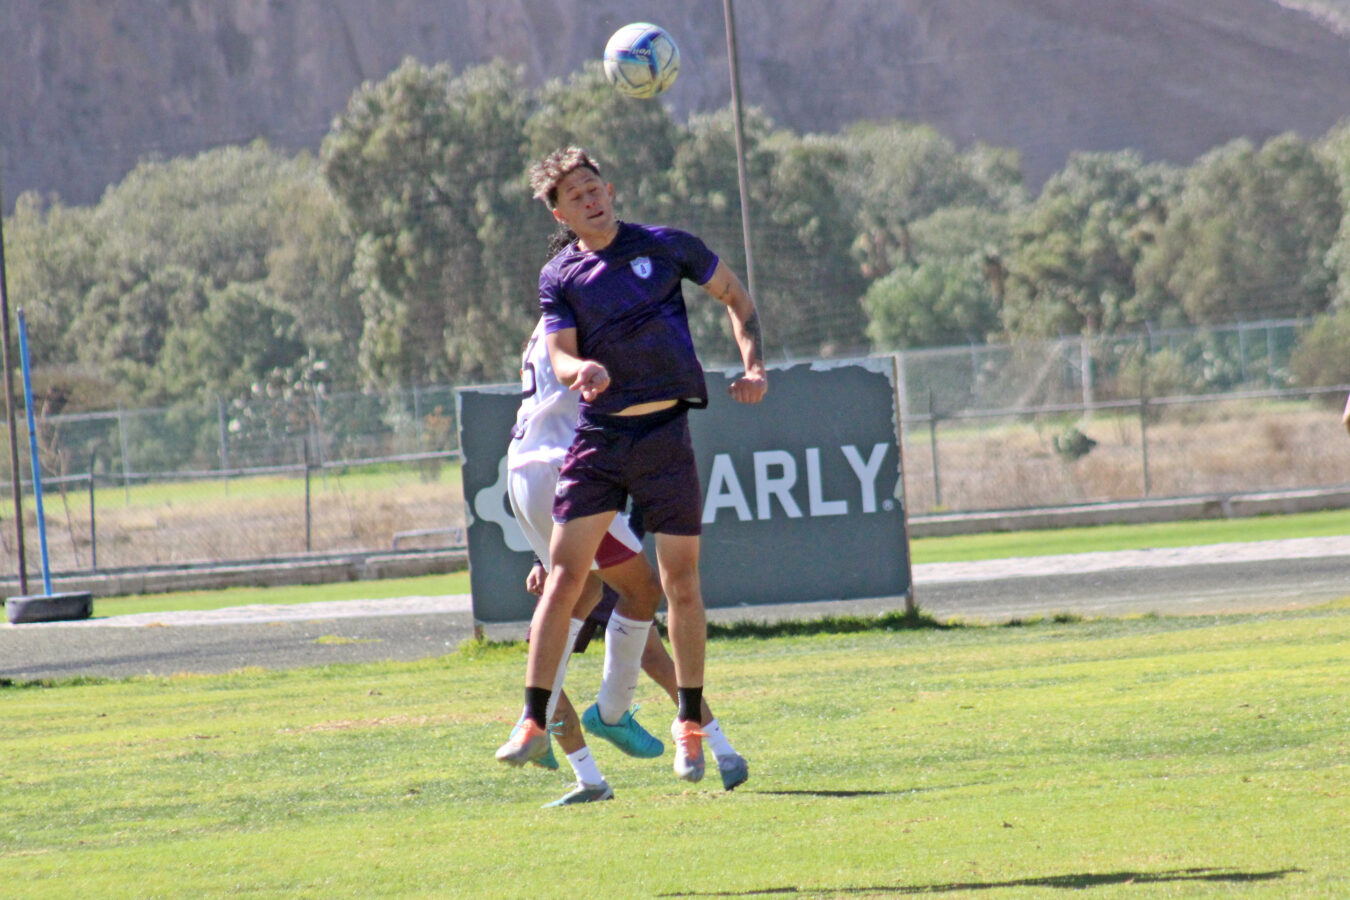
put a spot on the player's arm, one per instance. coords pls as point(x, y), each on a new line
point(585, 375)
point(534, 582)
point(1345, 416)
point(727, 289)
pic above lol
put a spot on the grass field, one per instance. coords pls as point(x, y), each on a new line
point(1137, 758)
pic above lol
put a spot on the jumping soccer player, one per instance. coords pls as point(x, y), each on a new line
point(545, 425)
point(617, 332)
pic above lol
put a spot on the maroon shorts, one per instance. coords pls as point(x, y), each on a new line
point(648, 458)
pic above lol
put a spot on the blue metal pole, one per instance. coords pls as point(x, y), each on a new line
point(33, 452)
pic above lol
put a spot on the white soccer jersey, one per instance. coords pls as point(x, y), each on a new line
point(545, 425)
point(547, 418)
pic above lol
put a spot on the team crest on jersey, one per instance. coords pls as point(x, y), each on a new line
point(642, 266)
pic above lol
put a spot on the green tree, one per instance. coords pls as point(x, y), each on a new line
point(932, 304)
point(309, 276)
point(807, 287)
point(898, 173)
point(633, 141)
point(122, 281)
point(262, 338)
point(1334, 151)
point(1248, 236)
point(127, 319)
point(210, 214)
point(1322, 355)
point(50, 252)
point(810, 291)
point(1072, 258)
point(705, 199)
point(428, 168)
point(952, 295)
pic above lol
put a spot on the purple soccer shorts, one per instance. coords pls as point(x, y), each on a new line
point(650, 458)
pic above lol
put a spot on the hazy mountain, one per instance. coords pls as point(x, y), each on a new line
point(88, 88)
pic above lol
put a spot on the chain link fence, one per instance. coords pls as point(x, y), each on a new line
point(985, 427)
point(1170, 413)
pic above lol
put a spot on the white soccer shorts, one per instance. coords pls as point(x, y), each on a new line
point(530, 489)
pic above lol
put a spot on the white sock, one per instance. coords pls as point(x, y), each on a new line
point(573, 627)
point(584, 765)
point(624, 640)
point(717, 741)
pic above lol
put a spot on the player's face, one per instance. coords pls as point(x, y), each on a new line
point(585, 204)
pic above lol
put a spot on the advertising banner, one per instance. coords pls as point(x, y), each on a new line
point(803, 495)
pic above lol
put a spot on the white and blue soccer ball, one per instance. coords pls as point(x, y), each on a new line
point(641, 60)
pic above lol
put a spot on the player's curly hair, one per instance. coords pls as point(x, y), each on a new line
point(559, 239)
point(545, 174)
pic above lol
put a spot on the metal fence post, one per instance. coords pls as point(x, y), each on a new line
point(126, 451)
point(418, 428)
point(1085, 367)
point(933, 445)
point(224, 443)
point(309, 546)
point(1143, 415)
point(93, 530)
point(1270, 356)
point(1242, 351)
point(1143, 440)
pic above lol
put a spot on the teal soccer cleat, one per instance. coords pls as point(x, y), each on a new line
point(626, 734)
point(548, 760)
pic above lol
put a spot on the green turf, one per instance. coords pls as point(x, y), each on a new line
point(1049, 542)
point(427, 585)
point(354, 479)
point(1139, 758)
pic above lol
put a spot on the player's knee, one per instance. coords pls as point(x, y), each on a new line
point(683, 590)
point(646, 598)
point(564, 579)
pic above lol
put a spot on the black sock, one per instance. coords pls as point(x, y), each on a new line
point(536, 705)
point(691, 704)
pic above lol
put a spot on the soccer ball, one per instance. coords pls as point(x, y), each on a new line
point(641, 60)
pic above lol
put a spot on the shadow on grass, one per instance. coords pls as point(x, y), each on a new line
point(824, 793)
point(891, 621)
point(1074, 882)
point(829, 792)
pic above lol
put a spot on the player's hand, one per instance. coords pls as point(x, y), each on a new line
point(749, 388)
point(592, 379)
point(534, 582)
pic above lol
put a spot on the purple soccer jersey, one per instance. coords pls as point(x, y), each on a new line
point(627, 307)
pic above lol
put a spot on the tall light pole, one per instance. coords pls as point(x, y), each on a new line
point(16, 482)
point(740, 146)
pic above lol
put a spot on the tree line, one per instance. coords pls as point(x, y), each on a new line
point(407, 251)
